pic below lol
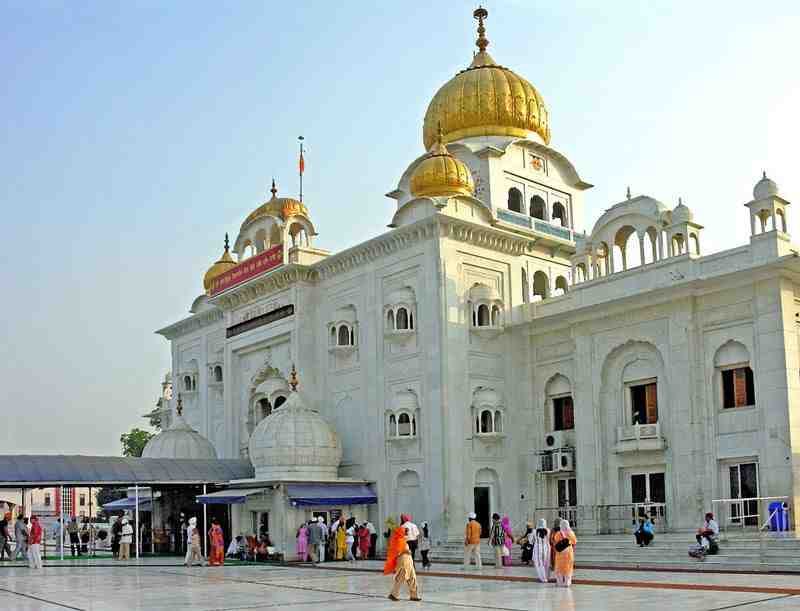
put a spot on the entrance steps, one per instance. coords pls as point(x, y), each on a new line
point(739, 551)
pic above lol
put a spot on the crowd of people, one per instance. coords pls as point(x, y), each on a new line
point(345, 539)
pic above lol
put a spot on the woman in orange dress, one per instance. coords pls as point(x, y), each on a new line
point(217, 555)
point(564, 544)
point(399, 562)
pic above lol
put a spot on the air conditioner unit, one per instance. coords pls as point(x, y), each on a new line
point(565, 460)
point(555, 440)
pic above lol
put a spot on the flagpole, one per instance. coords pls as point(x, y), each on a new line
point(300, 138)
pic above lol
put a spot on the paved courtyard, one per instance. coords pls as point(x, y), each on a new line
point(154, 584)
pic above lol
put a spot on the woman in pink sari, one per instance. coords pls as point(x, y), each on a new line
point(302, 543)
point(509, 541)
point(217, 555)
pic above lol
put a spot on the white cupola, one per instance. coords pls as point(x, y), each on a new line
point(179, 441)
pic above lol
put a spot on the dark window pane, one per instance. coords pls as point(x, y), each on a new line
point(573, 491)
point(657, 489)
point(751, 390)
point(638, 488)
point(727, 389)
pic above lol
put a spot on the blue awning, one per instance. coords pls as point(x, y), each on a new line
point(304, 495)
point(228, 497)
point(128, 504)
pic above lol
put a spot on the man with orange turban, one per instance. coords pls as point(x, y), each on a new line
point(399, 562)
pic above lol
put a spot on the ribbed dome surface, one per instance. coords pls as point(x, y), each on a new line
point(179, 441)
point(225, 263)
point(441, 174)
point(295, 442)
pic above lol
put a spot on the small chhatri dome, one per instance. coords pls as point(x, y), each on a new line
point(179, 441)
point(681, 213)
point(764, 188)
point(225, 263)
point(277, 207)
point(441, 174)
point(295, 442)
point(486, 100)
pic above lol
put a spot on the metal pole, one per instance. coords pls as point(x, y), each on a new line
point(90, 549)
point(61, 509)
point(137, 533)
point(205, 525)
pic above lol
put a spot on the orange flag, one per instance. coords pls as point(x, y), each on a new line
point(302, 163)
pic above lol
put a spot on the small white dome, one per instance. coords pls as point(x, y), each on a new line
point(482, 292)
point(765, 188)
point(681, 213)
point(179, 441)
point(295, 442)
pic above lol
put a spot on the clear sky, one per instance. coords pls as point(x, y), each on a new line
point(133, 135)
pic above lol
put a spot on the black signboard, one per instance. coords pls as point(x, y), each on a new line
point(260, 321)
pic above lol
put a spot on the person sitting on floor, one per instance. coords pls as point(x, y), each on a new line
point(644, 533)
point(707, 534)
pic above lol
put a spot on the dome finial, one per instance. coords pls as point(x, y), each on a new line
point(763, 173)
point(274, 189)
point(628, 193)
point(680, 201)
point(227, 242)
point(179, 407)
point(480, 14)
point(293, 381)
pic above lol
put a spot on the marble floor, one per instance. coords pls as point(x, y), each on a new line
point(154, 584)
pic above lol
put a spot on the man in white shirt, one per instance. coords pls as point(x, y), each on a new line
point(373, 539)
point(324, 527)
point(709, 531)
point(412, 533)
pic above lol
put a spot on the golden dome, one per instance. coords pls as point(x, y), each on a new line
point(441, 174)
point(276, 207)
point(225, 263)
point(485, 100)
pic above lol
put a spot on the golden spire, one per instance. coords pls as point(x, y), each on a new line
point(293, 381)
point(274, 189)
point(480, 14)
point(227, 243)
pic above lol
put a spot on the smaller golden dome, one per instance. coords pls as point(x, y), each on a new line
point(225, 263)
point(440, 174)
point(277, 207)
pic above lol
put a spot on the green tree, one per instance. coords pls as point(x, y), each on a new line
point(133, 441)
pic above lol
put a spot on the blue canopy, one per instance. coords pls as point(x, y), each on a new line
point(128, 504)
point(304, 495)
point(228, 497)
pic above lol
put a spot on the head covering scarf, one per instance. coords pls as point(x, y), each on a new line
point(397, 544)
point(565, 527)
point(193, 521)
point(541, 523)
point(506, 523)
point(405, 518)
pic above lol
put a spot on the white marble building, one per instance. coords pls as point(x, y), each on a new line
point(483, 354)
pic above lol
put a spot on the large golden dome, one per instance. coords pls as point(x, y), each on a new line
point(277, 207)
point(485, 100)
point(225, 263)
point(441, 174)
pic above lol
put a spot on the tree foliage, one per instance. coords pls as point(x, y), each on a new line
point(133, 441)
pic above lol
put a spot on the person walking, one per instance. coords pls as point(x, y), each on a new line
point(59, 536)
point(340, 536)
point(216, 538)
point(5, 536)
point(125, 540)
point(193, 551)
point(302, 542)
point(412, 534)
point(526, 543)
point(116, 533)
point(400, 562)
point(540, 546)
point(349, 539)
point(472, 542)
point(425, 545)
point(35, 544)
point(556, 528)
point(324, 529)
point(373, 539)
point(315, 539)
point(497, 539)
point(364, 541)
point(73, 530)
point(565, 541)
point(21, 537)
point(508, 544)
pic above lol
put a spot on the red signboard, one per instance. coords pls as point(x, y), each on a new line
point(249, 268)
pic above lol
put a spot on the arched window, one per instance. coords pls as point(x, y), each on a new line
point(279, 401)
point(561, 286)
point(187, 383)
point(498, 422)
point(580, 272)
point(732, 360)
point(695, 241)
point(333, 335)
point(515, 199)
point(218, 373)
point(486, 422)
point(538, 209)
point(483, 315)
point(344, 336)
point(540, 283)
point(390, 320)
point(265, 407)
point(495, 316)
point(392, 426)
point(779, 216)
point(560, 214)
point(404, 428)
point(275, 235)
point(402, 318)
point(678, 244)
